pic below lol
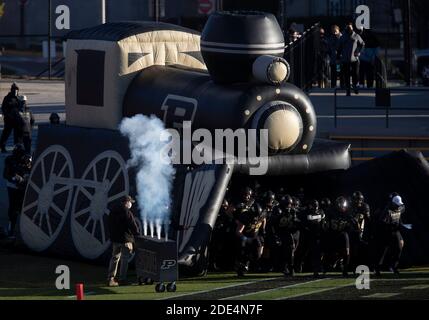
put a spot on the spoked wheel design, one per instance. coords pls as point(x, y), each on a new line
point(47, 198)
point(103, 182)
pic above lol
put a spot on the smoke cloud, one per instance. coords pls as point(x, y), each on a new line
point(154, 177)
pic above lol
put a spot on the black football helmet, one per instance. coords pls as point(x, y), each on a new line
point(286, 202)
point(27, 160)
point(225, 204)
point(269, 198)
point(325, 203)
point(342, 204)
point(296, 202)
point(255, 210)
point(247, 193)
point(313, 204)
point(358, 197)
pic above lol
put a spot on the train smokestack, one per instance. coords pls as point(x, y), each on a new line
point(232, 41)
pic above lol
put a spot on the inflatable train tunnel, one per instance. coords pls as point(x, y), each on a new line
point(233, 77)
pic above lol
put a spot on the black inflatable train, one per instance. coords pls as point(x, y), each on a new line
point(233, 77)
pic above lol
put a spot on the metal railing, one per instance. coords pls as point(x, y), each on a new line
point(302, 55)
point(387, 109)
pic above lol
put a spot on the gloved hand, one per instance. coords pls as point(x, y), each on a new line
point(18, 179)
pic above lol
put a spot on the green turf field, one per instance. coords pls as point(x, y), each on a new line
point(24, 276)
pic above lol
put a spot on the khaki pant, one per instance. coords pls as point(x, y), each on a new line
point(120, 252)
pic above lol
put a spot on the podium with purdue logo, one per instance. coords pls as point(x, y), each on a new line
point(156, 262)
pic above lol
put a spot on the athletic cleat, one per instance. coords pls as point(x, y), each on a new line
point(113, 283)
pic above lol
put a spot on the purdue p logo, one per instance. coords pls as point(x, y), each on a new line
point(167, 264)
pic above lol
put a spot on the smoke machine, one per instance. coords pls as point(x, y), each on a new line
point(156, 262)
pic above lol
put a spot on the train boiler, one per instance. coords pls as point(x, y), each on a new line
point(233, 76)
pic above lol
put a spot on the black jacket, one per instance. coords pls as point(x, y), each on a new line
point(15, 173)
point(122, 225)
point(10, 107)
point(349, 45)
point(26, 122)
point(391, 218)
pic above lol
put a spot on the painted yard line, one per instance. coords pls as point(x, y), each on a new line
point(346, 285)
point(383, 295)
point(273, 289)
point(402, 279)
point(417, 287)
point(217, 289)
point(315, 291)
point(91, 293)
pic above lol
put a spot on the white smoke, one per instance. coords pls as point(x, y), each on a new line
point(154, 177)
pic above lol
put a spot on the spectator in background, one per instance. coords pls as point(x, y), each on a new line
point(293, 33)
point(54, 118)
point(26, 124)
point(350, 47)
point(323, 60)
point(10, 110)
point(16, 171)
point(333, 45)
point(122, 229)
point(368, 58)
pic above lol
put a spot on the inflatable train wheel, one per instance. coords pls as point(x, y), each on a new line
point(47, 198)
point(104, 181)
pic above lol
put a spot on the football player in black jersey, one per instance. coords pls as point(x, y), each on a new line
point(359, 231)
point(337, 235)
point(250, 233)
point(247, 199)
point(286, 230)
point(312, 227)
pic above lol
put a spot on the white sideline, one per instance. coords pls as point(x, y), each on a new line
point(273, 289)
point(216, 289)
point(315, 291)
point(346, 285)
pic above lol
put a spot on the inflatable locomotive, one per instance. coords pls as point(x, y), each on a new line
point(233, 76)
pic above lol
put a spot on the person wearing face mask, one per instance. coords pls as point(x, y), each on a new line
point(350, 47)
point(10, 110)
point(122, 228)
